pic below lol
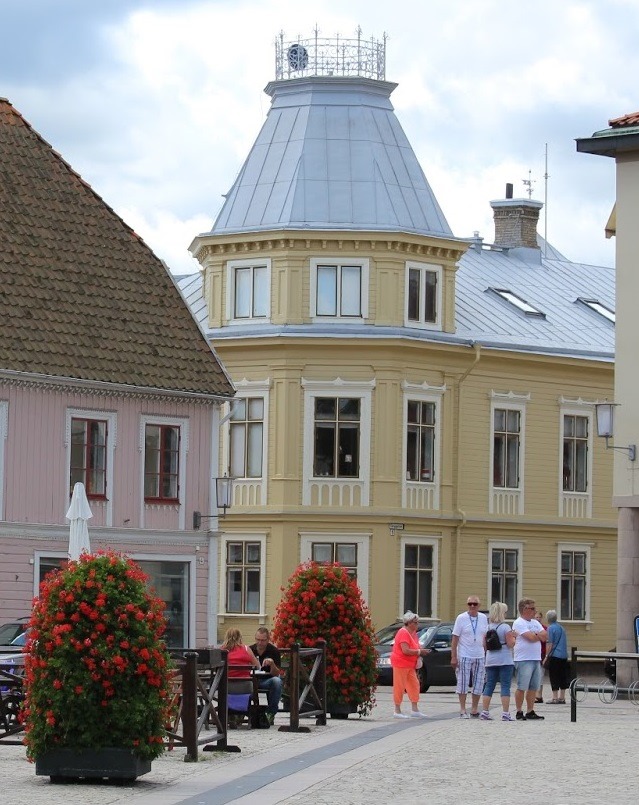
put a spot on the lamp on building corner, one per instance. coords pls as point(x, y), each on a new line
point(223, 499)
point(606, 426)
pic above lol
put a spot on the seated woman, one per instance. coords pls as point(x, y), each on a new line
point(240, 688)
point(239, 654)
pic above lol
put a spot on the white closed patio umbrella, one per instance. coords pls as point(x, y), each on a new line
point(79, 512)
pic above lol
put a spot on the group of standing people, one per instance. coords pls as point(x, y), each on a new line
point(515, 649)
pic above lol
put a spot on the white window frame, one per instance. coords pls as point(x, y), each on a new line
point(364, 265)
point(576, 504)
point(242, 537)
point(248, 491)
point(576, 547)
point(507, 500)
point(110, 417)
point(362, 540)
point(431, 542)
point(183, 424)
point(337, 388)
point(4, 427)
point(149, 557)
point(423, 268)
point(231, 268)
point(508, 545)
point(422, 494)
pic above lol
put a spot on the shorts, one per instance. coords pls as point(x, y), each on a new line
point(503, 673)
point(528, 674)
point(470, 673)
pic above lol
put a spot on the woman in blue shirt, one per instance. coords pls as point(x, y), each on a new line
point(557, 658)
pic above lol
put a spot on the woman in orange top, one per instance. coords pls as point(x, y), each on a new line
point(239, 654)
point(406, 651)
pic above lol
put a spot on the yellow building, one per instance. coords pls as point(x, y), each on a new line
point(414, 405)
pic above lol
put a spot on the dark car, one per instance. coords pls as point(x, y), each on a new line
point(9, 631)
point(436, 668)
point(16, 645)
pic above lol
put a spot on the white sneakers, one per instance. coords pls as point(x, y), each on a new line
point(412, 714)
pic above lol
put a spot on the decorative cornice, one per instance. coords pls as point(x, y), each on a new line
point(253, 243)
point(101, 537)
point(96, 388)
point(576, 401)
point(406, 386)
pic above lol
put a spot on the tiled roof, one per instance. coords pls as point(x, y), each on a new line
point(331, 155)
point(631, 119)
point(81, 295)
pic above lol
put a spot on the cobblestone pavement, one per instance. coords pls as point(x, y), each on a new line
point(439, 760)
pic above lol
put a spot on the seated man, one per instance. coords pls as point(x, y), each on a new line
point(270, 660)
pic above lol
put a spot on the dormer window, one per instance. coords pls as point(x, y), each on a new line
point(518, 302)
point(598, 307)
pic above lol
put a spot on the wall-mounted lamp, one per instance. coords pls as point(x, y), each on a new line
point(223, 499)
point(606, 427)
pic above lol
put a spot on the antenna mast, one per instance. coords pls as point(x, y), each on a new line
point(546, 177)
point(528, 183)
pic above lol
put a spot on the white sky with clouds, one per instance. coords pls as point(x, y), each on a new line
point(156, 103)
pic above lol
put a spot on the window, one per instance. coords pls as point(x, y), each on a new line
point(339, 290)
point(423, 295)
point(336, 437)
point(350, 550)
point(243, 576)
point(573, 586)
point(506, 443)
point(88, 456)
point(246, 437)
point(336, 454)
point(575, 453)
point(504, 583)
point(418, 579)
point(248, 290)
point(420, 441)
point(161, 462)
point(598, 307)
point(518, 302)
point(170, 580)
point(4, 411)
point(343, 552)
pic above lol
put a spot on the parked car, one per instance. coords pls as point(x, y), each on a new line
point(436, 669)
point(9, 631)
point(16, 645)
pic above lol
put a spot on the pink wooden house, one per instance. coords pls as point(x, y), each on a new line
point(105, 378)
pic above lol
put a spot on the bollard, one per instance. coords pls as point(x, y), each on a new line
point(189, 705)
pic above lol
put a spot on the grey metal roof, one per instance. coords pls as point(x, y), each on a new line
point(331, 155)
point(553, 285)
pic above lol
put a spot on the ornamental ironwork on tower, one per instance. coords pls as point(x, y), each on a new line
point(330, 56)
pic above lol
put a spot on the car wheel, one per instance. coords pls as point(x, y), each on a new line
point(423, 680)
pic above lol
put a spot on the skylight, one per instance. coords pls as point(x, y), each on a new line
point(598, 307)
point(518, 302)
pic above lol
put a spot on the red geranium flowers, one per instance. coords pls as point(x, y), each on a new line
point(97, 671)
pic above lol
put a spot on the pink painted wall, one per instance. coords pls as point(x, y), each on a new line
point(36, 482)
point(36, 488)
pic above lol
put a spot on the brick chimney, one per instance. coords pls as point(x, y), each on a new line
point(516, 222)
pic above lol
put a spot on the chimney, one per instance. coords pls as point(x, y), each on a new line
point(516, 221)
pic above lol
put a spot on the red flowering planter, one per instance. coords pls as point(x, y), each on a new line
point(323, 601)
point(97, 671)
